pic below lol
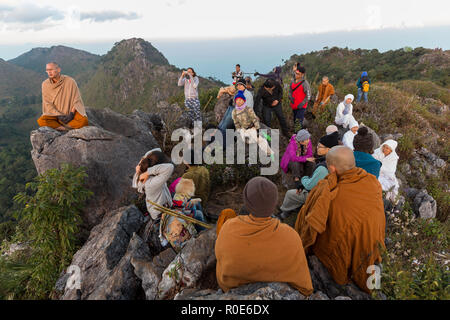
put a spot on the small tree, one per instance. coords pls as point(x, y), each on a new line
point(53, 215)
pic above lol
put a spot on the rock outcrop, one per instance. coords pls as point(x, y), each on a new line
point(423, 204)
point(109, 149)
point(105, 259)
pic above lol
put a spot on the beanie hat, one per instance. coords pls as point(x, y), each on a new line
point(240, 95)
point(363, 141)
point(301, 69)
point(303, 135)
point(331, 129)
point(330, 140)
point(260, 197)
point(364, 74)
point(240, 81)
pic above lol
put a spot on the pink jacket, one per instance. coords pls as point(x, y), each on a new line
point(291, 154)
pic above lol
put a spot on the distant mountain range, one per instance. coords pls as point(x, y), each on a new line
point(132, 75)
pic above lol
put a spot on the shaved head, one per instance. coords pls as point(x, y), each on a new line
point(341, 158)
point(54, 64)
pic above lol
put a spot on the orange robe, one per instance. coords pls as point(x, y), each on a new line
point(250, 249)
point(58, 99)
point(343, 224)
point(324, 93)
point(49, 121)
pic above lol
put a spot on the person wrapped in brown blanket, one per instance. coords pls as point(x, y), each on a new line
point(258, 248)
point(62, 106)
point(343, 221)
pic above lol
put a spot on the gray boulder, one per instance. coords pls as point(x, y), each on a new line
point(324, 283)
point(109, 150)
point(424, 205)
point(105, 259)
point(196, 260)
point(150, 272)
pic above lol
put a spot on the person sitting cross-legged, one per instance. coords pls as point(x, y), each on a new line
point(62, 106)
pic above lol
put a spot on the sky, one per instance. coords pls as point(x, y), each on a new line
point(47, 21)
point(214, 35)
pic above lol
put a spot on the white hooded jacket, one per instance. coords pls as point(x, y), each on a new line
point(387, 177)
point(341, 118)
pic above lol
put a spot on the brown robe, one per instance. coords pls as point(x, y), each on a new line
point(324, 93)
point(59, 98)
point(250, 249)
point(343, 224)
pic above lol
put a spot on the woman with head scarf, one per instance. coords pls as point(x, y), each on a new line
point(349, 136)
point(389, 159)
point(344, 111)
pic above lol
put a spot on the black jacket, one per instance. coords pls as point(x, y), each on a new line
point(266, 98)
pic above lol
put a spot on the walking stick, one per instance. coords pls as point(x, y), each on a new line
point(179, 215)
point(204, 108)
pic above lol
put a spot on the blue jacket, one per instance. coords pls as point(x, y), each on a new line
point(367, 162)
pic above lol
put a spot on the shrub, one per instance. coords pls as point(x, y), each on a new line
point(52, 215)
point(414, 264)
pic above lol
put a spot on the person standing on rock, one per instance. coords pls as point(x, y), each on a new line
point(324, 93)
point(389, 159)
point(299, 95)
point(343, 222)
point(62, 106)
point(258, 248)
point(271, 95)
point(363, 85)
point(237, 74)
point(190, 82)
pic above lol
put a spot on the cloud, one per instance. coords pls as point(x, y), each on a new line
point(29, 14)
point(109, 15)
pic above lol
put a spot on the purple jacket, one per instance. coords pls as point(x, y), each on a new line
point(291, 154)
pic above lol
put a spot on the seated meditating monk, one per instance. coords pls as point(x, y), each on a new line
point(259, 248)
point(343, 221)
point(62, 106)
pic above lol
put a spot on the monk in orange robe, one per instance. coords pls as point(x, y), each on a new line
point(62, 106)
point(326, 90)
point(258, 248)
point(343, 221)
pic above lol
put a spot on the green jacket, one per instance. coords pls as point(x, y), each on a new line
point(200, 175)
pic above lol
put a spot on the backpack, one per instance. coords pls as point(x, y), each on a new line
point(176, 230)
point(365, 84)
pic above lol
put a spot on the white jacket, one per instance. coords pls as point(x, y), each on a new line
point(347, 139)
point(155, 187)
point(387, 177)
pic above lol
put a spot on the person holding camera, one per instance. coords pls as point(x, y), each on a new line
point(190, 82)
